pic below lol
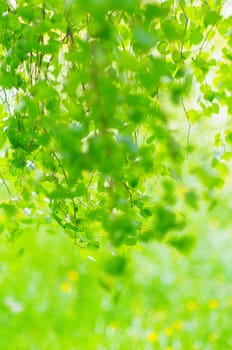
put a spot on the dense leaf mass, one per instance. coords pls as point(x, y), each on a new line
point(91, 93)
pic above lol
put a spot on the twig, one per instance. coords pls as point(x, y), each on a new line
point(66, 179)
point(189, 126)
point(5, 184)
point(130, 194)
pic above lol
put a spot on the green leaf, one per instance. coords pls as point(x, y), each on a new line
point(115, 265)
point(228, 137)
point(183, 243)
point(163, 47)
point(191, 199)
point(171, 30)
point(145, 212)
point(2, 139)
point(176, 55)
point(196, 36)
point(80, 190)
point(143, 39)
point(155, 11)
point(210, 18)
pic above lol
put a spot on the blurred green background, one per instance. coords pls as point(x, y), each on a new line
point(54, 295)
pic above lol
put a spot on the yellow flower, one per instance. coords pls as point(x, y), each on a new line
point(65, 287)
point(168, 331)
point(177, 325)
point(73, 275)
point(213, 304)
point(152, 337)
point(213, 337)
point(191, 305)
point(114, 325)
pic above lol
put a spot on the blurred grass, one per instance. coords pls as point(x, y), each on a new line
point(56, 296)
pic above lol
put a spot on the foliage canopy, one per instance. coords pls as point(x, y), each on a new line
point(93, 95)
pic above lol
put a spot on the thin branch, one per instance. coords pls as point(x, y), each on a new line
point(66, 179)
point(129, 192)
point(5, 184)
point(189, 126)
